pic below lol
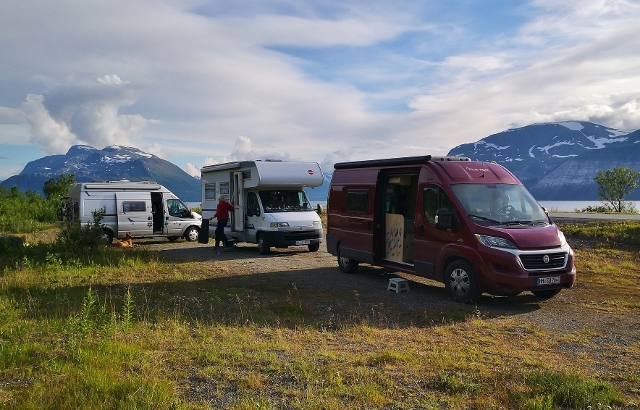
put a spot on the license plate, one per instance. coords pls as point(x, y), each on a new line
point(304, 242)
point(551, 280)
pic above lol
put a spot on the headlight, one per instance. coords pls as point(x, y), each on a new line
point(317, 223)
point(279, 224)
point(495, 242)
point(563, 240)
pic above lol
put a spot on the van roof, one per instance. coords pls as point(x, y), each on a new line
point(396, 161)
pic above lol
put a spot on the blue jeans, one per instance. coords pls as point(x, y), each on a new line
point(220, 236)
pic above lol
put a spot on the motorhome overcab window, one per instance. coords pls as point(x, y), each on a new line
point(497, 204)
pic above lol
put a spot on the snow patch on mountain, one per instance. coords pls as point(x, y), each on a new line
point(572, 125)
point(602, 141)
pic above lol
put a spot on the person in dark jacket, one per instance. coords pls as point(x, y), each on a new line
point(222, 214)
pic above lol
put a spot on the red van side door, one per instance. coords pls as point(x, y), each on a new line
point(430, 241)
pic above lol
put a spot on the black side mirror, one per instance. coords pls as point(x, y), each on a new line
point(444, 218)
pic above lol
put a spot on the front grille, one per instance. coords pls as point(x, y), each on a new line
point(301, 235)
point(536, 262)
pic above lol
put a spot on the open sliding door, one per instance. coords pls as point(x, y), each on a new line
point(238, 202)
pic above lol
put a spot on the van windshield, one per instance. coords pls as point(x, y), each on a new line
point(284, 201)
point(499, 204)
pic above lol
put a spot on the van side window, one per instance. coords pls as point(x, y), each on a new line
point(434, 198)
point(357, 201)
point(177, 208)
point(138, 206)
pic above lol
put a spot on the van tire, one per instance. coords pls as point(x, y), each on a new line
point(108, 236)
point(461, 282)
point(263, 246)
point(347, 265)
point(191, 234)
point(313, 247)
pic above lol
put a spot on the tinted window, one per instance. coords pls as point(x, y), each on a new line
point(137, 206)
point(434, 198)
point(357, 201)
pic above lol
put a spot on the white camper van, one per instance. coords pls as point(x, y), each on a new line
point(143, 209)
point(271, 208)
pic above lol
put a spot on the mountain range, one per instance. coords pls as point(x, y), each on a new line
point(108, 164)
point(555, 161)
point(558, 161)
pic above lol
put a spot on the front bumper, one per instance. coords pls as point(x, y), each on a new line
point(509, 272)
point(282, 239)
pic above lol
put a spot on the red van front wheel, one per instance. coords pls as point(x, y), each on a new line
point(461, 282)
point(347, 265)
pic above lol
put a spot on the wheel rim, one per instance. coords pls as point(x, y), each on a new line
point(459, 281)
point(193, 235)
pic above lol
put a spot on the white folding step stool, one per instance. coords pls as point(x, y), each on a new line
point(398, 285)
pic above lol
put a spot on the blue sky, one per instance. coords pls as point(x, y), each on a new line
point(202, 82)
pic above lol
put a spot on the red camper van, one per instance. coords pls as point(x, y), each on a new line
point(471, 225)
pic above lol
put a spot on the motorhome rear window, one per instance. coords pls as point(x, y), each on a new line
point(357, 201)
point(138, 206)
point(210, 191)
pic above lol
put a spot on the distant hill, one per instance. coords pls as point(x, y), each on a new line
point(558, 161)
point(108, 164)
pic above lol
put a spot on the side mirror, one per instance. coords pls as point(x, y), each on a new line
point(319, 209)
point(444, 218)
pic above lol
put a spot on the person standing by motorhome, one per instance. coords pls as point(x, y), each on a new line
point(222, 214)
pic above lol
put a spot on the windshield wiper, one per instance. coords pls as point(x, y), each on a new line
point(485, 219)
point(519, 222)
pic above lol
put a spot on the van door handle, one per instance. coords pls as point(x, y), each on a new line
point(421, 230)
point(149, 218)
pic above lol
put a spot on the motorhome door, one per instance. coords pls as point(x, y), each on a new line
point(134, 214)
point(238, 202)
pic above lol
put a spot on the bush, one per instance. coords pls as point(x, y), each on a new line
point(76, 240)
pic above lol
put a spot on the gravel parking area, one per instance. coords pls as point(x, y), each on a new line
point(316, 277)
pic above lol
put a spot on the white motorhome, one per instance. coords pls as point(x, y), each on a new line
point(271, 208)
point(143, 209)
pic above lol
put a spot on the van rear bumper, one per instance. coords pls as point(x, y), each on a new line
point(282, 239)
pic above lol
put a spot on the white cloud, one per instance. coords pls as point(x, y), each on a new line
point(82, 113)
point(309, 80)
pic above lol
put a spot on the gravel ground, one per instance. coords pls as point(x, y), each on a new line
point(316, 275)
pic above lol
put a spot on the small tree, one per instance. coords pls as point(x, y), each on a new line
point(56, 188)
point(615, 184)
